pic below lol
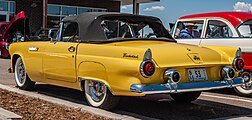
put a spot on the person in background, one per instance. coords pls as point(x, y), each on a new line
point(188, 32)
point(180, 27)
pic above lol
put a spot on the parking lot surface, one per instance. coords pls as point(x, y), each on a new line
point(211, 104)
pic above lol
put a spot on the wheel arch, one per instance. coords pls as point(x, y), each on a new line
point(91, 70)
point(13, 61)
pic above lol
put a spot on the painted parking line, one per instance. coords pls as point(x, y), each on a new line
point(227, 98)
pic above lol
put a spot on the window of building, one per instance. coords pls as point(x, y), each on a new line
point(69, 10)
point(53, 10)
point(3, 6)
point(7, 10)
point(57, 12)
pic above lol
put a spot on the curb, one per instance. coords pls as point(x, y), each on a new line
point(8, 115)
point(243, 117)
point(85, 108)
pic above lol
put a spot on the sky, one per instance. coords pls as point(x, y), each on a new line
point(170, 10)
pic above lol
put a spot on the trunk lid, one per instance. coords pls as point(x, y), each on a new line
point(172, 54)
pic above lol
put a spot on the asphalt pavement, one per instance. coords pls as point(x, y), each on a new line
point(218, 104)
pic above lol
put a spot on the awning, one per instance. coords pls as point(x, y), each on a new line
point(128, 2)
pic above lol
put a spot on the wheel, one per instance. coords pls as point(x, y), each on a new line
point(185, 97)
point(98, 95)
point(244, 90)
point(21, 78)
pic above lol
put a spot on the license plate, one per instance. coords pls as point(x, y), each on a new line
point(195, 75)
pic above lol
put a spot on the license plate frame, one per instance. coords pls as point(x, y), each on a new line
point(197, 74)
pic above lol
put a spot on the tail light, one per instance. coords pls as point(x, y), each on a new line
point(147, 67)
point(238, 64)
point(227, 73)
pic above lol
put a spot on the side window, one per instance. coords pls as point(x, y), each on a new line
point(188, 29)
point(70, 32)
point(218, 29)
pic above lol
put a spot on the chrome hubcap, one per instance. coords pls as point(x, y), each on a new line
point(96, 90)
point(247, 86)
point(21, 73)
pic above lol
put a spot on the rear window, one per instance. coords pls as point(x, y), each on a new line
point(245, 29)
point(114, 29)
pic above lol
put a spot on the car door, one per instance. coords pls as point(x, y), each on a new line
point(221, 33)
point(195, 25)
point(60, 54)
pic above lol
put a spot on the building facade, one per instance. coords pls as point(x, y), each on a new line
point(48, 13)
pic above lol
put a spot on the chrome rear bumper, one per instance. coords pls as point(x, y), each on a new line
point(186, 87)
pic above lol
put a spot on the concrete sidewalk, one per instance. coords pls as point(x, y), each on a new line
point(8, 115)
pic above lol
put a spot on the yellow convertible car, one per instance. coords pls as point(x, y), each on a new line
point(108, 55)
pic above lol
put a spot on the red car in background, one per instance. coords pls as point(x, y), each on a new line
point(13, 31)
point(220, 29)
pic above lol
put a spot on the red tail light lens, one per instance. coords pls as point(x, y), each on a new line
point(147, 68)
point(238, 64)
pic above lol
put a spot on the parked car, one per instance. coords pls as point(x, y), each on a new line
point(222, 29)
point(3, 52)
point(45, 34)
point(109, 55)
point(14, 31)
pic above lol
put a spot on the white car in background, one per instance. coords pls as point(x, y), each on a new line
point(221, 29)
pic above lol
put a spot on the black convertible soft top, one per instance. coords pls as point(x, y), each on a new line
point(90, 28)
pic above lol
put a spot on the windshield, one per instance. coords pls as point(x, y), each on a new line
point(245, 29)
point(116, 29)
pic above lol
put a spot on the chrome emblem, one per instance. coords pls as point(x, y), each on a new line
point(129, 55)
point(196, 57)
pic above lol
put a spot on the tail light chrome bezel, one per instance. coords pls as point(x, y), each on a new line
point(142, 68)
point(235, 63)
point(147, 60)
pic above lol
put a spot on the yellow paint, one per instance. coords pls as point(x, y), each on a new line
point(117, 64)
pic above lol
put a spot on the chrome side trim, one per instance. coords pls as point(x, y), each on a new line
point(186, 87)
point(33, 49)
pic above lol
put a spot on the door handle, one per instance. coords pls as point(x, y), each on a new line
point(33, 49)
point(71, 49)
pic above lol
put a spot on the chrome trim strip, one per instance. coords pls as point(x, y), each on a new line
point(186, 87)
point(33, 49)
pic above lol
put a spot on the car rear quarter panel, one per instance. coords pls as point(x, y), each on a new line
point(106, 63)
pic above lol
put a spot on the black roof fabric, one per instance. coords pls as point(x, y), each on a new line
point(90, 28)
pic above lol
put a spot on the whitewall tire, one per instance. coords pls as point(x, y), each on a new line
point(244, 91)
point(21, 78)
point(98, 95)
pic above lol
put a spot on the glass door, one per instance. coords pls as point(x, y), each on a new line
point(4, 16)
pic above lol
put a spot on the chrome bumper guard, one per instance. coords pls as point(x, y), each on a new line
point(187, 87)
